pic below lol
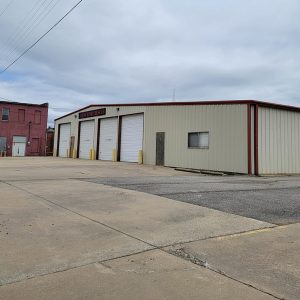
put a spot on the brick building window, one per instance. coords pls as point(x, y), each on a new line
point(5, 114)
point(37, 117)
point(21, 115)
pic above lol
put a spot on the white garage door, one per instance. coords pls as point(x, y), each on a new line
point(64, 140)
point(108, 138)
point(132, 137)
point(86, 141)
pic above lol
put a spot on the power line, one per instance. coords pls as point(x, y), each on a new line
point(11, 41)
point(6, 7)
point(30, 47)
point(36, 20)
point(27, 25)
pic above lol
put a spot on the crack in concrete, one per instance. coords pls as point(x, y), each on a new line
point(180, 253)
point(27, 276)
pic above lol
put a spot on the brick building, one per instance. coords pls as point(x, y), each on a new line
point(23, 128)
point(49, 141)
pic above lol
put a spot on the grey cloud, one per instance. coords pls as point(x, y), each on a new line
point(126, 51)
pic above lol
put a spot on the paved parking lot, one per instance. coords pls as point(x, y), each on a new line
point(74, 229)
point(271, 199)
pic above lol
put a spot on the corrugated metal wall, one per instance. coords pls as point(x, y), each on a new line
point(227, 127)
point(279, 141)
point(226, 124)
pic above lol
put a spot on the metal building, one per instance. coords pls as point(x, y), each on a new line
point(245, 136)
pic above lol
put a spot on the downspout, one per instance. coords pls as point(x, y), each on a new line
point(249, 134)
point(256, 163)
point(29, 136)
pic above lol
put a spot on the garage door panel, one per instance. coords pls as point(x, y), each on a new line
point(108, 138)
point(86, 141)
point(64, 139)
point(132, 137)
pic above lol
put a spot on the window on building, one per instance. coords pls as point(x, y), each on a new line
point(37, 117)
point(198, 140)
point(21, 115)
point(5, 114)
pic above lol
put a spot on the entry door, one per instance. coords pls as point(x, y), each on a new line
point(86, 141)
point(3, 141)
point(64, 140)
point(160, 148)
point(131, 137)
point(19, 146)
point(108, 138)
point(19, 149)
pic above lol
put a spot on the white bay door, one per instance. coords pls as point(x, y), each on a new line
point(64, 140)
point(108, 138)
point(132, 137)
point(86, 141)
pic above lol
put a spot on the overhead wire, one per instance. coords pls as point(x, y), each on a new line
point(6, 44)
point(20, 25)
point(41, 37)
point(26, 38)
point(10, 43)
point(6, 7)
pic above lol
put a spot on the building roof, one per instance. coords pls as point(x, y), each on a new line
point(21, 103)
point(205, 102)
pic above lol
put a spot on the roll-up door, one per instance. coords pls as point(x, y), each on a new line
point(64, 140)
point(108, 138)
point(86, 141)
point(131, 137)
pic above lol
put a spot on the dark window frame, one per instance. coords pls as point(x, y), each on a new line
point(199, 133)
point(3, 109)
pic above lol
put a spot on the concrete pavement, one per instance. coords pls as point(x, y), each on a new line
point(62, 237)
point(150, 276)
point(155, 220)
point(267, 259)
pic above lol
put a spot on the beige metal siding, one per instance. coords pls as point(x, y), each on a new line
point(226, 124)
point(227, 127)
point(279, 141)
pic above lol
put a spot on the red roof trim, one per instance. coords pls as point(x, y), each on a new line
point(216, 102)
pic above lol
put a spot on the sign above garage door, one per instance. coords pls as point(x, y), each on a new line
point(92, 113)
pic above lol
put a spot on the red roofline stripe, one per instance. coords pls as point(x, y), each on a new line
point(215, 102)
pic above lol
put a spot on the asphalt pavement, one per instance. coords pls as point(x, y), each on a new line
point(270, 199)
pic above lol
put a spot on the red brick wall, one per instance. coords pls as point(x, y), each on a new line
point(50, 143)
point(33, 126)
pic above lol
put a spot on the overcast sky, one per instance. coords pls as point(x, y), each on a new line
point(117, 51)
